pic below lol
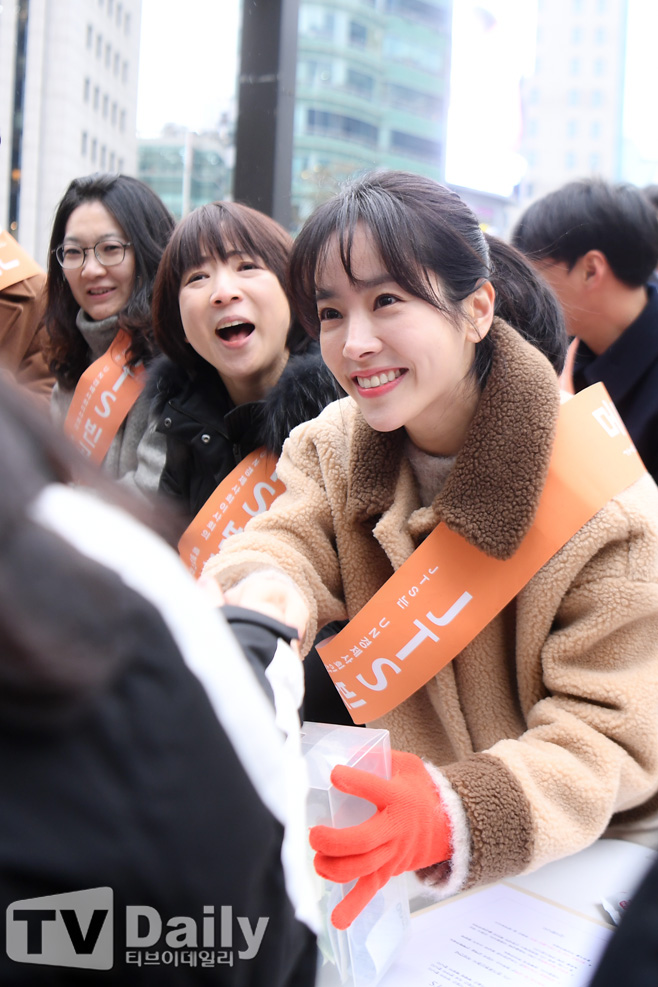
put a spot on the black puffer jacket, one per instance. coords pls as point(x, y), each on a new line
point(207, 435)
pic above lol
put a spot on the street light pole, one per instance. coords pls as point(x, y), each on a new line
point(266, 105)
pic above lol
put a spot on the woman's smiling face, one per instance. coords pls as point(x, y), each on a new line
point(236, 316)
point(99, 291)
point(405, 363)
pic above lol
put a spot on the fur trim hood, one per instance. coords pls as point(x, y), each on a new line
point(304, 389)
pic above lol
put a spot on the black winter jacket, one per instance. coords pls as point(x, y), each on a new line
point(207, 435)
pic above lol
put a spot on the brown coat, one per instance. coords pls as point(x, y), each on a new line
point(546, 726)
point(22, 338)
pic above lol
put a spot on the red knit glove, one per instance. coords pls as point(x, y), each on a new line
point(410, 830)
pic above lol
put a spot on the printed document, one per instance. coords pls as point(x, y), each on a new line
point(499, 937)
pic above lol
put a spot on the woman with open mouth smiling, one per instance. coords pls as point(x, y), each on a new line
point(107, 239)
point(238, 371)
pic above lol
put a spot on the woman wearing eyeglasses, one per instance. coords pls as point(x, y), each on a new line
point(107, 239)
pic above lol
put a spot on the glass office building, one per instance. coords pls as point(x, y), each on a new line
point(186, 169)
point(372, 91)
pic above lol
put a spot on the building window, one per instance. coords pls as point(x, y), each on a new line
point(360, 83)
point(90, 35)
point(342, 127)
point(112, 160)
point(117, 62)
point(122, 121)
point(99, 45)
point(110, 7)
point(97, 96)
point(124, 72)
point(84, 137)
point(314, 23)
point(415, 147)
point(418, 10)
point(597, 98)
point(570, 160)
point(410, 55)
point(94, 150)
point(113, 117)
point(577, 36)
point(119, 14)
point(574, 66)
point(600, 36)
point(595, 129)
point(358, 34)
point(422, 104)
point(108, 55)
point(599, 66)
point(106, 103)
point(572, 128)
point(595, 162)
point(86, 89)
point(317, 72)
point(573, 97)
point(103, 156)
point(126, 24)
point(120, 164)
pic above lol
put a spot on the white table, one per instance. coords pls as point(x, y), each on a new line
point(579, 882)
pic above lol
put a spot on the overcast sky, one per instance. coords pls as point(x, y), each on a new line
point(188, 65)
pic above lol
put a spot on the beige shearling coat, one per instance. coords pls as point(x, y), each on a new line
point(545, 728)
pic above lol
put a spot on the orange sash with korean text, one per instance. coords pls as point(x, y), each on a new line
point(103, 397)
point(248, 490)
point(448, 591)
point(15, 264)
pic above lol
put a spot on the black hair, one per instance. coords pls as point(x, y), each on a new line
point(216, 228)
point(650, 192)
point(422, 228)
point(591, 214)
point(148, 225)
point(527, 302)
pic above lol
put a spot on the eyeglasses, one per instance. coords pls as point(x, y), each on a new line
point(109, 253)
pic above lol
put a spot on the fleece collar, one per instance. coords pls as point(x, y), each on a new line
point(492, 493)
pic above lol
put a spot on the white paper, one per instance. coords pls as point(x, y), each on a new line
point(498, 937)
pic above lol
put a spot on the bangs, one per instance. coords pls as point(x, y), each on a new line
point(392, 233)
point(220, 229)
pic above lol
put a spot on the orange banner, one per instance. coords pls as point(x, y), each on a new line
point(103, 397)
point(448, 591)
point(15, 264)
point(248, 490)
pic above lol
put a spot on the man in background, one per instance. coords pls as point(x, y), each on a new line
point(596, 244)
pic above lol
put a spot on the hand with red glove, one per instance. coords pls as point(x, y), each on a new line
point(410, 830)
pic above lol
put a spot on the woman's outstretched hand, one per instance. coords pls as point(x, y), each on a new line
point(410, 830)
point(275, 598)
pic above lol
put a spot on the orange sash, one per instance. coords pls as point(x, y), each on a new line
point(448, 591)
point(113, 388)
point(15, 264)
point(248, 490)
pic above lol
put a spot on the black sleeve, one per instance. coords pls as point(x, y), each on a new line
point(258, 637)
point(631, 957)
